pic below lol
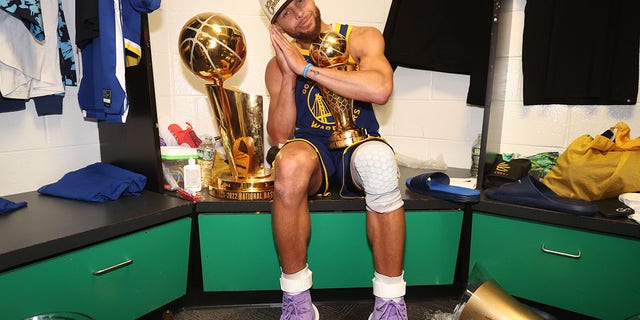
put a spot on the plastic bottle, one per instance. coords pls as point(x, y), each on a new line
point(192, 176)
point(475, 156)
point(206, 154)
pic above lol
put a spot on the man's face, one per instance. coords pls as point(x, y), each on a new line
point(300, 19)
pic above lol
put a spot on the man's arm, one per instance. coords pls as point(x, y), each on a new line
point(373, 82)
point(281, 121)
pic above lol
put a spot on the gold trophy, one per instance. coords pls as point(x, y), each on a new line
point(213, 47)
point(330, 51)
point(485, 299)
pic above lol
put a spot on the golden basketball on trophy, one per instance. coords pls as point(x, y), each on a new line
point(213, 47)
point(330, 51)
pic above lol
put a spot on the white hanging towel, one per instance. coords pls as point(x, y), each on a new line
point(29, 68)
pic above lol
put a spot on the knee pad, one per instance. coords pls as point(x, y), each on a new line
point(374, 170)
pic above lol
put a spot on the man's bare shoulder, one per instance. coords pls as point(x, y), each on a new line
point(365, 37)
point(365, 41)
point(272, 66)
point(272, 73)
point(272, 63)
point(365, 31)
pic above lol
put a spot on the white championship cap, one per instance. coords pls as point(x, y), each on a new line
point(272, 8)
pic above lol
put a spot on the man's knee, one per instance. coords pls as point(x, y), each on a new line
point(375, 170)
point(295, 158)
point(297, 170)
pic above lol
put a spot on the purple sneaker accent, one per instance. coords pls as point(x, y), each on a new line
point(298, 307)
point(389, 310)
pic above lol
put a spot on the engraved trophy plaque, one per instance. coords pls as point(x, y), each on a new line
point(213, 47)
point(330, 51)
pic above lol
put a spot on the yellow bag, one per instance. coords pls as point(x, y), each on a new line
point(598, 168)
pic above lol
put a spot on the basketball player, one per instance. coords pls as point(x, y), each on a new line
point(299, 124)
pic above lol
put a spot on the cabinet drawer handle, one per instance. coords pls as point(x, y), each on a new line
point(113, 267)
point(564, 254)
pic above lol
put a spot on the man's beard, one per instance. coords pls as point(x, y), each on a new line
point(313, 34)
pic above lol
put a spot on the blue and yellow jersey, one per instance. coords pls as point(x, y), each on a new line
point(313, 116)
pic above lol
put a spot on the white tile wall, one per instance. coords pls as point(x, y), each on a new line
point(35, 151)
point(426, 117)
point(531, 129)
point(426, 109)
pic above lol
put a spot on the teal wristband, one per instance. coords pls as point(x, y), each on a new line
point(306, 69)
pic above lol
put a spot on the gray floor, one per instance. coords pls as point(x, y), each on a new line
point(422, 310)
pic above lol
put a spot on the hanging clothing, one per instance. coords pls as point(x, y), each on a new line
point(581, 52)
point(28, 12)
point(65, 50)
point(11, 105)
point(442, 35)
point(102, 94)
point(132, 28)
point(87, 22)
point(29, 68)
point(102, 91)
point(52, 103)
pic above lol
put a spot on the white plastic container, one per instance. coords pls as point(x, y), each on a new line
point(173, 161)
point(192, 176)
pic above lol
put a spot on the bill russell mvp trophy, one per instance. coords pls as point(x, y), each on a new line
point(213, 47)
point(330, 51)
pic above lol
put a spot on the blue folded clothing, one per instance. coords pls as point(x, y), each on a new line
point(98, 182)
point(7, 206)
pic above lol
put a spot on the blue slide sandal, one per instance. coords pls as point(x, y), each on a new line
point(528, 191)
point(436, 184)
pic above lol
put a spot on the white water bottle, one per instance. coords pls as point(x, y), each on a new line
point(192, 176)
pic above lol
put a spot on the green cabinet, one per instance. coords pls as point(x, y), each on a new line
point(123, 278)
point(585, 272)
point(238, 252)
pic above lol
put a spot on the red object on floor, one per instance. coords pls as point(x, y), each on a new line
point(190, 196)
point(187, 136)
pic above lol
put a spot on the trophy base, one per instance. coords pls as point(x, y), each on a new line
point(226, 186)
point(347, 138)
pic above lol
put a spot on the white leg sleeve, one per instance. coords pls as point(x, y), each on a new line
point(389, 287)
point(297, 282)
point(374, 170)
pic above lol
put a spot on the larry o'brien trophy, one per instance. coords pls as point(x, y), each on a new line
point(213, 47)
point(330, 51)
